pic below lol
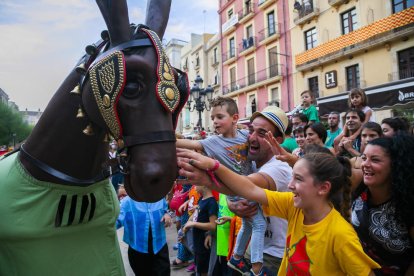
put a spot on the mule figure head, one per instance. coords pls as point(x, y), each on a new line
point(124, 86)
point(130, 89)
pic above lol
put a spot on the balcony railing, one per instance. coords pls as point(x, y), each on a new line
point(274, 103)
point(214, 61)
point(247, 43)
point(349, 86)
point(229, 55)
point(269, 32)
point(306, 12)
point(393, 27)
point(246, 13)
point(336, 3)
point(263, 4)
point(252, 79)
point(401, 74)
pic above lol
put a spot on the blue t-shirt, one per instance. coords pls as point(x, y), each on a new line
point(331, 137)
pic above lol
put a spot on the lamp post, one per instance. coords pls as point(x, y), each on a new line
point(14, 140)
point(200, 98)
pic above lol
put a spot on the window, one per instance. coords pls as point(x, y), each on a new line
point(406, 63)
point(233, 79)
point(274, 96)
point(216, 78)
point(352, 77)
point(230, 13)
point(310, 39)
point(232, 48)
point(197, 61)
point(271, 23)
point(215, 60)
point(314, 86)
point(273, 62)
point(399, 5)
point(349, 22)
point(251, 106)
point(251, 71)
point(247, 6)
point(249, 40)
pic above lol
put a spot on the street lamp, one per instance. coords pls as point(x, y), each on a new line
point(201, 98)
point(14, 140)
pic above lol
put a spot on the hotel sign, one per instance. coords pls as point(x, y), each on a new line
point(331, 79)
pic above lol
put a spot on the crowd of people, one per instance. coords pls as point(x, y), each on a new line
point(287, 196)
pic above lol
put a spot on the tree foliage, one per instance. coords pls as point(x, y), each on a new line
point(12, 126)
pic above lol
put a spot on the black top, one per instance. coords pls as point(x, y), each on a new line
point(206, 208)
point(383, 236)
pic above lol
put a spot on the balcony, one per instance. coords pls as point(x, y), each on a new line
point(269, 35)
point(263, 4)
point(247, 46)
point(348, 87)
point(229, 57)
point(246, 14)
point(214, 61)
point(230, 25)
point(398, 26)
point(400, 75)
point(255, 80)
point(306, 13)
point(273, 103)
point(337, 3)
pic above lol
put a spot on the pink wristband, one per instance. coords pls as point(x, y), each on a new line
point(210, 173)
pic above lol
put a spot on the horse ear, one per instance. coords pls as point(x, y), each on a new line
point(115, 14)
point(158, 12)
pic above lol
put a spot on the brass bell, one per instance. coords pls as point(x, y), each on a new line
point(120, 143)
point(80, 114)
point(91, 49)
point(105, 35)
point(88, 130)
point(76, 90)
point(81, 69)
point(106, 138)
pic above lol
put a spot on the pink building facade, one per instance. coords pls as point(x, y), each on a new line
point(256, 54)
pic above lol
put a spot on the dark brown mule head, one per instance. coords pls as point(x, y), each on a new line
point(130, 90)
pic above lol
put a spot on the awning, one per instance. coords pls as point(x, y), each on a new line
point(387, 95)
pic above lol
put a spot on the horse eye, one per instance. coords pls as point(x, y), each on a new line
point(132, 89)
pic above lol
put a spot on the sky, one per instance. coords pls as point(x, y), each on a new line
point(41, 40)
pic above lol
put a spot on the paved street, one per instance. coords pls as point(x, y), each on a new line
point(171, 240)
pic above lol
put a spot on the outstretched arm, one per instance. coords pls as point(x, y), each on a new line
point(239, 184)
point(189, 144)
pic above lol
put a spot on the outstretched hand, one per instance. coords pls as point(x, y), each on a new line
point(195, 159)
point(279, 152)
point(191, 172)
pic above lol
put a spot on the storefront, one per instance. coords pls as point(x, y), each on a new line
point(383, 99)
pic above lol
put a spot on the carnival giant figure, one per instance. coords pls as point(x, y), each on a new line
point(57, 207)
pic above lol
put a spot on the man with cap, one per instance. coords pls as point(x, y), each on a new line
point(270, 173)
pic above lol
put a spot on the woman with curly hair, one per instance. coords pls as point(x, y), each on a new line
point(382, 212)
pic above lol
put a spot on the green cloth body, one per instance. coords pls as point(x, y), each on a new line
point(53, 229)
point(311, 113)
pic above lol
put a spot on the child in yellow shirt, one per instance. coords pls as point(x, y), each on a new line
point(320, 241)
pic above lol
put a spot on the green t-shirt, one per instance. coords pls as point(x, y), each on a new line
point(312, 113)
point(289, 144)
point(52, 229)
point(223, 231)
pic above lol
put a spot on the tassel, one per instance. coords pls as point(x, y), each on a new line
point(80, 114)
point(76, 90)
point(88, 130)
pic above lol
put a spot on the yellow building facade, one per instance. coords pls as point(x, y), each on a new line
point(338, 45)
